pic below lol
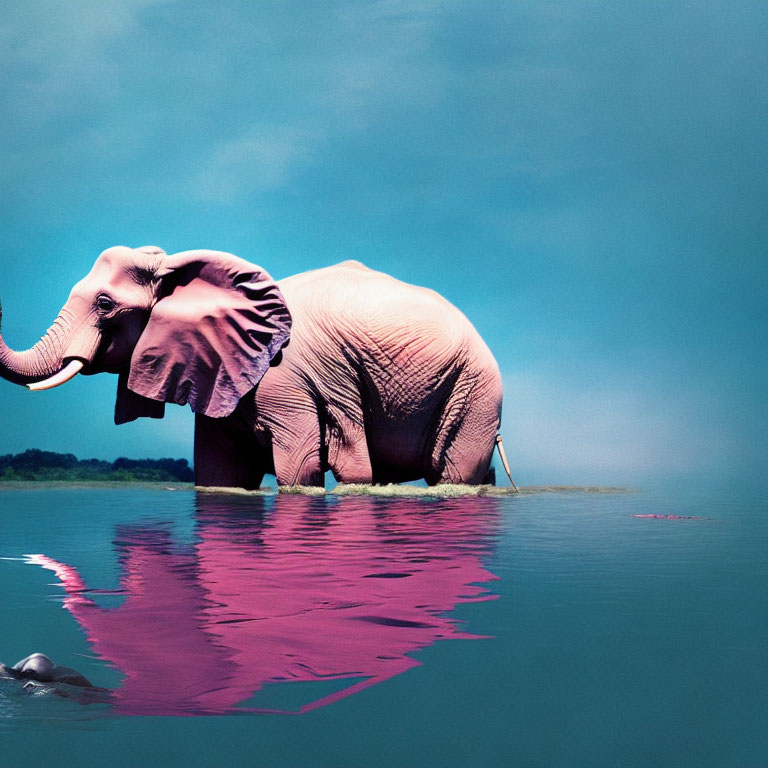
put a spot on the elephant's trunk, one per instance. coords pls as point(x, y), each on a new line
point(48, 356)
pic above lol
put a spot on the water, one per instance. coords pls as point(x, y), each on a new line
point(555, 628)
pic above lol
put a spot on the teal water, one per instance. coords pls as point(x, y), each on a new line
point(556, 628)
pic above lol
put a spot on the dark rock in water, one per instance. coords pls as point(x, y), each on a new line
point(39, 668)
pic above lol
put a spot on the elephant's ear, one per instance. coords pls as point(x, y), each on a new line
point(216, 326)
point(129, 406)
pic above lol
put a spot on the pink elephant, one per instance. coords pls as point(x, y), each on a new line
point(342, 368)
point(297, 594)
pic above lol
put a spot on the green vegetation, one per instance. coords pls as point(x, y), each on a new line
point(36, 465)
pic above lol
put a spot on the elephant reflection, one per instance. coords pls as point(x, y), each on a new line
point(295, 593)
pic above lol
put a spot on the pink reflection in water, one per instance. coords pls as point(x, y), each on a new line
point(672, 517)
point(309, 590)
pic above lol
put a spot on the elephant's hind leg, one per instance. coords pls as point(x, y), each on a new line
point(465, 441)
point(348, 456)
point(467, 459)
point(296, 451)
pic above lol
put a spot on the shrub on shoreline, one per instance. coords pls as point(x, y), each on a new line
point(48, 466)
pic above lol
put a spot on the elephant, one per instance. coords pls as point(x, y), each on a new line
point(342, 368)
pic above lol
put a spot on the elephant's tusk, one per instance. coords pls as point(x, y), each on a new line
point(72, 368)
point(502, 453)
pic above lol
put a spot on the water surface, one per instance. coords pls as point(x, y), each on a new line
point(555, 628)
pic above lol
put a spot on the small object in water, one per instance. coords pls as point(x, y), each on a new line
point(672, 517)
point(39, 668)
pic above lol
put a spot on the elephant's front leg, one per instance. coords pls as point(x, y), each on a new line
point(296, 450)
point(226, 456)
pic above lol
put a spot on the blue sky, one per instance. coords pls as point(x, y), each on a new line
point(587, 181)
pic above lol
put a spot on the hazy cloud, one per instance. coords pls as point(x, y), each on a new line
point(585, 180)
point(65, 50)
point(597, 430)
point(260, 161)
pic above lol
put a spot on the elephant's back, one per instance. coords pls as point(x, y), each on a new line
point(391, 334)
point(351, 298)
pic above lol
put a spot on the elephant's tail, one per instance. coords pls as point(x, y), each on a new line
point(503, 456)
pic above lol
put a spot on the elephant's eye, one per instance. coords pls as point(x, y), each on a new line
point(104, 304)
